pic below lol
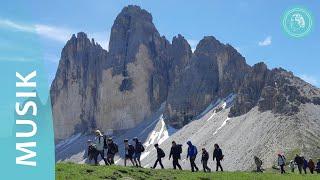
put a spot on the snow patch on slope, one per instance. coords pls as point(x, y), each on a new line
point(159, 135)
point(223, 124)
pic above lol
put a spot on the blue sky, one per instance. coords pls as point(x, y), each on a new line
point(253, 27)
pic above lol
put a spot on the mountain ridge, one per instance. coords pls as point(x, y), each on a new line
point(119, 88)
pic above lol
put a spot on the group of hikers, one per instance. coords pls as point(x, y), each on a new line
point(133, 153)
point(302, 163)
point(299, 162)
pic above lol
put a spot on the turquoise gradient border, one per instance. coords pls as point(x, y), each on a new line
point(21, 52)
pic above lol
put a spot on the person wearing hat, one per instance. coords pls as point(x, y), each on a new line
point(91, 152)
point(99, 144)
point(112, 150)
point(129, 151)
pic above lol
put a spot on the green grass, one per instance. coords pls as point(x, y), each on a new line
point(71, 171)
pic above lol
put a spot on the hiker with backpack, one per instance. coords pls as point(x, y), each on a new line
point(192, 154)
point(175, 153)
point(311, 166)
point(204, 160)
point(138, 149)
point(299, 161)
point(318, 166)
point(292, 166)
point(92, 152)
point(160, 154)
point(258, 163)
point(112, 150)
point(281, 163)
point(129, 151)
point(99, 144)
point(217, 154)
point(305, 165)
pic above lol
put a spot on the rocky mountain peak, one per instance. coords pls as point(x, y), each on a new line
point(129, 27)
point(134, 11)
point(209, 45)
point(180, 51)
point(142, 70)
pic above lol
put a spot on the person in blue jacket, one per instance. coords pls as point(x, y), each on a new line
point(305, 165)
point(192, 154)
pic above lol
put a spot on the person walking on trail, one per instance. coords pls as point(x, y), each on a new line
point(138, 149)
point(281, 163)
point(99, 144)
point(160, 155)
point(204, 160)
point(292, 166)
point(311, 166)
point(258, 163)
point(91, 152)
point(175, 153)
point(129, 151)
point(192, 154)
point(217, 153)
point(318, 166)
point(112, 150)
point(299, 161)
point(305, 165)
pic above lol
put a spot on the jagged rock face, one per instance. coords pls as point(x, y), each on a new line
point(213, 71)
point(276, 90)
point(74, 89)
point(118, 89)
point(250, 91)
point(94, 88)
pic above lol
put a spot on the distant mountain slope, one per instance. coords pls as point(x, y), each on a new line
point(263, 134)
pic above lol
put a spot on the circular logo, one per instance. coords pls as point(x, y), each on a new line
point(297, 22)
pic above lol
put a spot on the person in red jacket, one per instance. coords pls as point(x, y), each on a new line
point(311, 166)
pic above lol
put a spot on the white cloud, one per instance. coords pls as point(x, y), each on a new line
point(16, 26)
point(53, 33)
point(59, 34)
point(310, 79)
point(266, 42)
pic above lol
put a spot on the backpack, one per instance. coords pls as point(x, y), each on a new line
point(105, 145)
point(131, 149)
point(141, 147)
point(195, 151)
point(180, 148)
point(116, 148)
point(161, 153)
point(283, 159)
